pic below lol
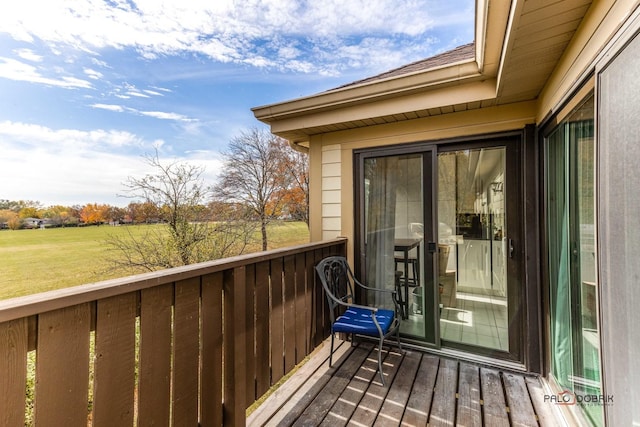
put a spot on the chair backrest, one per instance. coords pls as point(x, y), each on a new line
point(337, 281)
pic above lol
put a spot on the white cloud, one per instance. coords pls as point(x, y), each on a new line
point(166, 116)
point(99, 63)
point(67, 166)
point(62, 141)
point(74, 178)
point(15, 70)
point(71, 166)
point(29, 55)
point(137, 94)
point(162, 89)
point(262, 33)
point(152, 92)
point(109, 107)
point(128, 90)
point(156, 114)
point(93, 74)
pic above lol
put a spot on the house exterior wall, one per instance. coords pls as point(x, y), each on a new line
point(332, 165)
point(331, 154)
point(331, 157)
point(331, 191)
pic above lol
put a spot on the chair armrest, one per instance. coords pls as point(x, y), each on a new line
point(369, 288)
point(365, 307)
point(348, 304)
point(393, 293)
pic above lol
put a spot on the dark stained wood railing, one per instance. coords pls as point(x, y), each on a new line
point(194, 345)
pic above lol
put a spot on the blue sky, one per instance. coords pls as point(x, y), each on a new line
point(89, 86)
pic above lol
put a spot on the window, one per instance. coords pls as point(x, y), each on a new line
point(573, 296)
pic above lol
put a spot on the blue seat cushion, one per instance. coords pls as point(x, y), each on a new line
point(359, 321)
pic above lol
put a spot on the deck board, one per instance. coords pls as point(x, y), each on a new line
point(494, 404)
point(469, 411)
point(420, 387)
point(399, 392)
point(322, 403)
point(370, 405)
point(544, 411)
point(443, 409)
point(417, 411)
point(520, 407)
point(286, 403)
point(345, 406)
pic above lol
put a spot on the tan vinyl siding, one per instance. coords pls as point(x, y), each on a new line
point(331, 191)
point(336, 160)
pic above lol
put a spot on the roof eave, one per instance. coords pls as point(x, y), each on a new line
point(454, 73)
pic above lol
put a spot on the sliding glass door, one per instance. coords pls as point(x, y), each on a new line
point(398, 237)
point(573, 295)
point(438, 225)
point(473, 247)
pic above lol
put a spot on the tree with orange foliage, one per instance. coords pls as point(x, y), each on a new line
point(145, 212)
point(93, 213)
point(296, 194)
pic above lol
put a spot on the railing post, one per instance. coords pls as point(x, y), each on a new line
point(13, 371)
point(235, 347)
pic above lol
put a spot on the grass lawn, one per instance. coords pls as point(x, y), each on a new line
point(33, 261)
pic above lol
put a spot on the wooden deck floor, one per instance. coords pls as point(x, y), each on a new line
point(422, 389)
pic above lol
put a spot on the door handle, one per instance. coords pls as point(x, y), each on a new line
point(511, 248)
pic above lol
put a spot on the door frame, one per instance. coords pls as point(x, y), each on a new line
point(429, 216)
point(524, 333)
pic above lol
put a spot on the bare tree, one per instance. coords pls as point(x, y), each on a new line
point(186, 234)
point(254, 175)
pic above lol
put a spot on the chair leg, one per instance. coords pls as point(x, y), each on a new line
point(380, 361)
point(398, 338)
point(331, 353)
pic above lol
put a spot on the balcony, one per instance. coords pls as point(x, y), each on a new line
point(198, 345)
point(422, 389)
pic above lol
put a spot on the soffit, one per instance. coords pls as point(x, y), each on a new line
point(539, 33)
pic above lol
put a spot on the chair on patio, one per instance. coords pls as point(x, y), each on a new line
point(346, 316)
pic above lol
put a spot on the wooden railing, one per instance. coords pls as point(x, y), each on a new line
point(190, 346)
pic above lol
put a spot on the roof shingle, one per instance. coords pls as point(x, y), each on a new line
point(460, 53)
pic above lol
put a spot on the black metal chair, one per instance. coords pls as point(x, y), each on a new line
point(346, 316)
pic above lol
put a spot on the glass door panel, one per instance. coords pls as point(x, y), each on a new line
point(395, 242)
point(573, 294)
point(472, 247)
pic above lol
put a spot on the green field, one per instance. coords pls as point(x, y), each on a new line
point(33, 261)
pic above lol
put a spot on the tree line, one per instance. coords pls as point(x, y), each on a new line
point(15, 213)
point(262, 179)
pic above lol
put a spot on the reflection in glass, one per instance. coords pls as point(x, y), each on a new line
point(394, 231)
point(570, 182)
point(472, 247)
